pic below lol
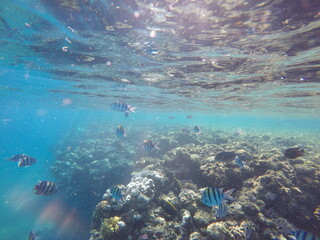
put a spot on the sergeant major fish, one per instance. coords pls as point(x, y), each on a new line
point(214, 196)
point(17, 157)
point(196, 129)
point(303, 235)
point(116, 193)
point(120, 132)
point(122, 107)
point(32, 236)
point(222, 210)
point(149, 145)
point(26, 161)
point(45, 188)
point(294, 233)
point(240, 163)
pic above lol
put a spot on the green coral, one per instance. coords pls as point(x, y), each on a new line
point(110, 226)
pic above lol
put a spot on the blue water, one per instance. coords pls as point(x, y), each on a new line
point(61, 68)
point(35, 130)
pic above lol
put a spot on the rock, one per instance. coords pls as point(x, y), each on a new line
point(225, 156)
point(202, 218)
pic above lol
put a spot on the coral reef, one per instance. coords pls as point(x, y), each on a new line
point(87, 163)
point(162, 200)
point(111, 226)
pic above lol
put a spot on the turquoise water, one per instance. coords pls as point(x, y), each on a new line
point(62, 64)
point(35, 130)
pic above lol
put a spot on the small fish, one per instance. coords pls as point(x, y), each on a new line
point(120, 132)
point(32, 236)
point(293, 153)
point(116, 193)
point(168, 207)
point(149, 145)
point(151, 51)
point(177, 183)
point(196, 129)
point(122, 107)
point(240, 163)
point(214, 196)
point(225, 156)
point(189, 116)
point(294, 233)
point(26, 161)
point(45, 188)
point(17, 158)
point(303, 235)
point(222, 210)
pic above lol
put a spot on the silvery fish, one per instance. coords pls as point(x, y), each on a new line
point(149, 145)
point(116, 193)
point(214, 196)
point(16, 158)
point(122, 107)
point(26, 161)
point(196, 129)
point(222, 210)
point(303, 235)
point(45, 188)
point(120, 132)
point(32, 236)
point(240, 163)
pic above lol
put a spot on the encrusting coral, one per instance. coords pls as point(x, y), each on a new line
point(163, 198)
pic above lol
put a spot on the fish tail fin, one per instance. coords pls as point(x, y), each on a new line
point(156, 146)
point(132, 109)
point(228, 196)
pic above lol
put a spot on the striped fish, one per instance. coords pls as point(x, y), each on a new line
point(122, 107)
point(32, 236)
point(196, 129)
point(26, 161)
point(17, 158)
point(240, 163)
point(116, 193)
point(120, 132)
point(214, 196)
point(149, 146)
point(45, 188)
point(303, 235)
point(222, 210)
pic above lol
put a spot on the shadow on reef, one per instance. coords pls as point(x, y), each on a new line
point(87, 164)
point(162, 200)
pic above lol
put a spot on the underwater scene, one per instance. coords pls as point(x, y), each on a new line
point(169, 119)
